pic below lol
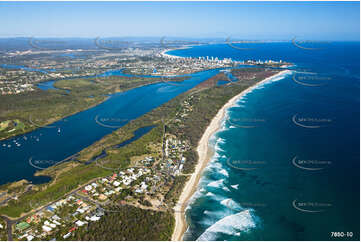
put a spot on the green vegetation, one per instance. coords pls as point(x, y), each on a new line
point(70, 175)
point(12, 126)
point(65, 182)
point(39, 108)
point(133, 223)
point(4, 125)
point(27, 111)
point(129, 223)
point(176, 189)
point(3, 232)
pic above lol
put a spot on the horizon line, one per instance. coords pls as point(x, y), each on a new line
point(172, 38)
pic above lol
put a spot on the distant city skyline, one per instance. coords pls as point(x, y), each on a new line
point(240, 20)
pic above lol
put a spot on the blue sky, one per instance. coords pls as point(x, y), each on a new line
point(246, 20)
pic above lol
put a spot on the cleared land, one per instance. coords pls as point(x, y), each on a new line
point(203, 102)
point(24, 112)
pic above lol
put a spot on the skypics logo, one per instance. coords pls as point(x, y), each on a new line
point(171, 43)
point(311, 207)
point(166, 44)
point(242, 44)
point(43, 164)
point(311, 122)
point(103, 164)
point(111, 122)
point(113, 44)
point(36, 122)
point(47, 44)
point(169, 81)
point(245, 45)
point(309, 44)
point(310, 79)
point(246, 165)
point(241, 205)
point(246, 123)
point(310, 165)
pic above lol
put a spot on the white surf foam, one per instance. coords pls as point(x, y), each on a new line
point(231, 225)
point(215, 157)
point(229, 203)
point(215, 164)
point(217, 148)
point(216, 167)
point(210, 194)
point(235, 186)
point(216, 184)
point(274, 79)
point(242, 99)
point(207, 212)
point(226, 189)
point(216, 215)
point(223, 172)
point(221, 141)
point(238, 105)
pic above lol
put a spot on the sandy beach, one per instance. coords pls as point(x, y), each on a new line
point(164, 52)
point(205, 153)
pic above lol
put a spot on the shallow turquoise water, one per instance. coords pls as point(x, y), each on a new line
point(286, 163)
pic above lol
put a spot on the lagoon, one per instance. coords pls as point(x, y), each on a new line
point(70, 135)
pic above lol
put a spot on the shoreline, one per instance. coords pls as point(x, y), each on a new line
point(164, 52)
point(76, 112)
point(53, 121)
point(205, 153)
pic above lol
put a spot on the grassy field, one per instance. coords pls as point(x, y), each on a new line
point(39, 108)
point(207, 100)
point(66, 180)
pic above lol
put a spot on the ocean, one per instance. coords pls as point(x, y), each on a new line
point(286, 163)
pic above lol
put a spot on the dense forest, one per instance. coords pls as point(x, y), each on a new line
point(129, 223)
point(132, 223)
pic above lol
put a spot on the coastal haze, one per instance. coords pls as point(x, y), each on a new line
point(180, 121)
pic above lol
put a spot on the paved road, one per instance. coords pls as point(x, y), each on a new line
point(11, 222)
point(9, 227)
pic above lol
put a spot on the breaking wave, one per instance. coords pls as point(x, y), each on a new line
point(226, 189)
point(221, 141)
point(229, 203)
point(231, 225)
point(216, 184)
point(210, 194)
point(224, 172)
point(235, 186)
